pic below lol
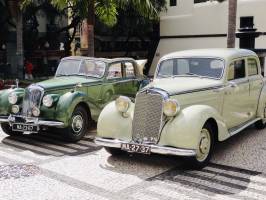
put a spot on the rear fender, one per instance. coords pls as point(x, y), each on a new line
point(262, 104)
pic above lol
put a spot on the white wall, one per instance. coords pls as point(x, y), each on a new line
point(207, 18)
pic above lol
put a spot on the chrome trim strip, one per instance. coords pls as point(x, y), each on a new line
point(35, 121)
point(236, 130)
point(115, 143)
point(198, 90)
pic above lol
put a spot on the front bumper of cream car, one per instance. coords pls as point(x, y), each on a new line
point(115, 143)
point(30, 120)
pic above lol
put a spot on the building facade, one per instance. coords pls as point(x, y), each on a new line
point(196, 24)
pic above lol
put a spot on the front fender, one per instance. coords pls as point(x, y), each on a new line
point(111, 123)
point(5, 106)
point(66, 105)
point(183, 131)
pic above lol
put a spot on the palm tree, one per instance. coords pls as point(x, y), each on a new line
point(16, 13)
point(232, 11)
point(107, 11)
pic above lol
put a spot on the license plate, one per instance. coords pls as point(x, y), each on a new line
point(136, 148)
point(24, 128)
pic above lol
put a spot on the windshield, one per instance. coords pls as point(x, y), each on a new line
point(91, 68)
point(204, 67)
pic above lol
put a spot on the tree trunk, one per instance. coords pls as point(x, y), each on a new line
point(231, 35)
point(20, 52)
point(87, 32)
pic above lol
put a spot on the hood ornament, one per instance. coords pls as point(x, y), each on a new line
point(17, 83)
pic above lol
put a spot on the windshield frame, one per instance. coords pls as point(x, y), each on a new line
point(79, 67)
point(190, 57)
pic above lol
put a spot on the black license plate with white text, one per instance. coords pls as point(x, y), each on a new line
point(136, 148)
point(24, 128)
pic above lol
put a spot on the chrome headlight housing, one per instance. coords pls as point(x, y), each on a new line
point(122, 104)
point(48, 101)
point(171, 107)
point(12, 98)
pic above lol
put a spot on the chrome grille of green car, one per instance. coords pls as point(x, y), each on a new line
point(147, 119)
point(32, 98)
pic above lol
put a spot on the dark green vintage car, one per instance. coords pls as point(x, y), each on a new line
point(72, 99)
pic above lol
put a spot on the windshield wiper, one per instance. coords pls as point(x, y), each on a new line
point(187, 74)
point(58, 75)
point(164, 76)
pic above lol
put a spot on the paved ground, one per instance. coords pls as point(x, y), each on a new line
point(43, 167)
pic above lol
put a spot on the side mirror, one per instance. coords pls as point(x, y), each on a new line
point(78, 85)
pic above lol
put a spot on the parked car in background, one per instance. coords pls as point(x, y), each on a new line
point(197, 98)
point(71, 100)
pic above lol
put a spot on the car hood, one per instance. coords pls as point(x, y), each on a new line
point(183, 84)
point(66, 82)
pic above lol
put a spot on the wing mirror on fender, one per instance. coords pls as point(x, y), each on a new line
point(78, 85)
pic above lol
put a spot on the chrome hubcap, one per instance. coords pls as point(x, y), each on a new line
point(204, 145)
point(77, 124)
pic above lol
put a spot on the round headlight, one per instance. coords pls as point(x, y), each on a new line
point(15, 109)
point(48, 101)
point(171, 107)
point(12, 98)
point(35, 112)
point(122, 104)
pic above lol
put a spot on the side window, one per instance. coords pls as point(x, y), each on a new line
point(168, 67)
point(129, 70)
point(252, 67)
point(237, 70)
point(115, 71)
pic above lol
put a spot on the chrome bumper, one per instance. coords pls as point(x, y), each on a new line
point(33, 121)
point(114, 143)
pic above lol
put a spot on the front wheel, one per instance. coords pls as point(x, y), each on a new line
point(79, 125)
point(7, 129)
point(205, 148)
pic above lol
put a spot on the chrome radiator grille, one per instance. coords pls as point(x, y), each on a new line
point(32, 98)
point(147, 119)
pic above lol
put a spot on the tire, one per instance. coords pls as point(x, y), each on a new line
point(260, 124)
point(114, 151)
point(8, 130)
point(205, 149)
point(79, 125)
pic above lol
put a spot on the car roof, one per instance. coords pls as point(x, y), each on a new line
point(226, 54)
point(107, 60)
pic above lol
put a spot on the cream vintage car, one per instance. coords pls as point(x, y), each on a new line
point(197, 98)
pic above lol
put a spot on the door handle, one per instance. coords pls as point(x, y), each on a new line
point(218, 90)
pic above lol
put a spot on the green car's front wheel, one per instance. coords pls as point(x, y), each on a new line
point(79, 124)
point(7, 129)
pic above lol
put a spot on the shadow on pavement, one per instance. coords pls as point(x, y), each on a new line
point(50, 144)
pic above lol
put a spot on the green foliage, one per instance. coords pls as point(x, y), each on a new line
point(107, 10)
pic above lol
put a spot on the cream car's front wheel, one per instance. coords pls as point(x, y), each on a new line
point(204, 149)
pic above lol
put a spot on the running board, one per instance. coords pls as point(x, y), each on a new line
point(241, 127)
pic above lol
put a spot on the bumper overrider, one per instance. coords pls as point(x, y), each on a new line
point(115, 143)
point(31, 121)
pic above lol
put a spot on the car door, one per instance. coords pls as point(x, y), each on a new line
point(236, 109)
point(130, 80)
point(112, 87)
point(255, 83)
